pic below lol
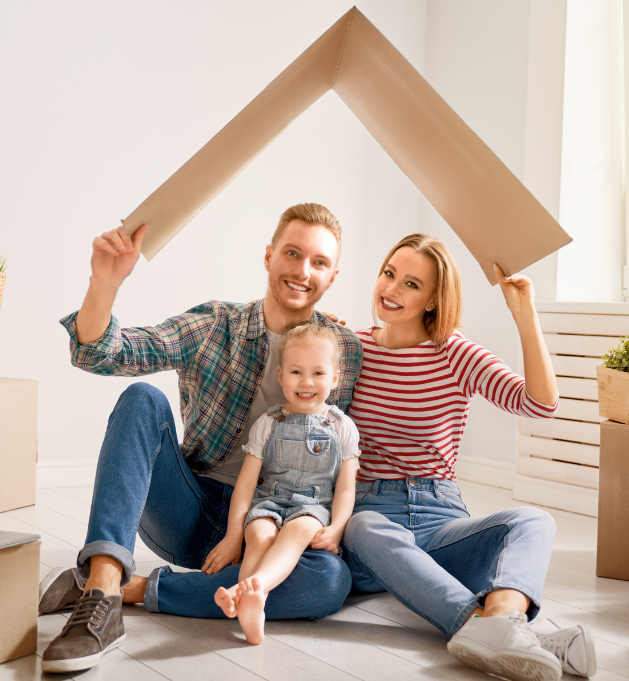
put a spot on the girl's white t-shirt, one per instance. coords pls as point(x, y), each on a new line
point(345, 429)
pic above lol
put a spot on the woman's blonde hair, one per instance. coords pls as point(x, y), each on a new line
point(312, 333)
point(445, 316)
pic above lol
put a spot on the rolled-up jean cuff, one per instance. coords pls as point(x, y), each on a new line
point(150, 593)
point(464, 614)
point(534, 607)
point(107, 548)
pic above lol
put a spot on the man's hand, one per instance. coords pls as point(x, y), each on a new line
point(334, 318)
point(328, 538)
point(226, 551)
point(114, 255)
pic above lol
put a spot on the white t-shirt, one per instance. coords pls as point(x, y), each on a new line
point(345, 429)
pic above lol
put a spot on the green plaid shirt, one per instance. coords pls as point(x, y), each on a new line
point(219, 351)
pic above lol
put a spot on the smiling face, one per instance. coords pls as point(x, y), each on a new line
point(301, 266)
point(307, 375)
point(406, 288)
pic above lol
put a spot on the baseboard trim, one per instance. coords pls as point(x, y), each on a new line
point(66, 473)
point(486, 471)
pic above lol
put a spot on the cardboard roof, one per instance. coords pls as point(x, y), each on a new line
point(492, 212)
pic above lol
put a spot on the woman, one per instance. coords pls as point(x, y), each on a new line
point(476, 580)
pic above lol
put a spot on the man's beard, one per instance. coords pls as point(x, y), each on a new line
point(275, 287)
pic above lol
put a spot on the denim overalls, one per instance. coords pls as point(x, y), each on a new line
point(301, 461)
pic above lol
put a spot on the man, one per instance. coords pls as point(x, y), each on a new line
point(178, 498)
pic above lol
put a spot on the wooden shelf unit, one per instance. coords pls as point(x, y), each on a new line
point(558, 459)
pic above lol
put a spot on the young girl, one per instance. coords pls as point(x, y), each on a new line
point(283, 501)
point(478, 580)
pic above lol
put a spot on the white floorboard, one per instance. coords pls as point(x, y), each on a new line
point(374, 637)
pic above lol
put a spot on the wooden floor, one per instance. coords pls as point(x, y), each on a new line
point(373, 638)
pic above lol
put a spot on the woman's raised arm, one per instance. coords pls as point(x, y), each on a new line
point(538, 370)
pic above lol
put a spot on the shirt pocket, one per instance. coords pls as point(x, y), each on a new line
point(311, 456)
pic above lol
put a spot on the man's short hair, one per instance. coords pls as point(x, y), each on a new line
point(312, 214)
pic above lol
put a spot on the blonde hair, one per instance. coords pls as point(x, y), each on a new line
point(311, 333)
point(312, 214)
point(445, 316)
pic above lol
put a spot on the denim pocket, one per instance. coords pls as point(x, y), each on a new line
point(312, 456)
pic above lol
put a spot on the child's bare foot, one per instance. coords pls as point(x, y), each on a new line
point(225, 601)
point(250, 609)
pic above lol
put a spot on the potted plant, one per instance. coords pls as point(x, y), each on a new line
point(3, 276)
point(613, 383)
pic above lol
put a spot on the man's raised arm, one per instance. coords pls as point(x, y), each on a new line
point(114, 255)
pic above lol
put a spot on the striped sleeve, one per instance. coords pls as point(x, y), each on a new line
point(478, 371)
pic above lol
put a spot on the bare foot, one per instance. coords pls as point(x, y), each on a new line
point(250, 609)
point(133, 592)
point(225, 601)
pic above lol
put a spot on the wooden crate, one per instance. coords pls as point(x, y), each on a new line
point(557, 461)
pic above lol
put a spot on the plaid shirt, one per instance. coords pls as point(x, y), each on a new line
point(219, 351)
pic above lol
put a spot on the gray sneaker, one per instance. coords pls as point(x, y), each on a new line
point(95, 627)
point(573, 646)
point(61, 588)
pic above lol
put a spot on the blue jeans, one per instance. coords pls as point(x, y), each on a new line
point(144, 486)
point(414, 538)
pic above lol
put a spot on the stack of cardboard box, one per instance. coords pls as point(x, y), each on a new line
point(612, 556)
point(19, 552)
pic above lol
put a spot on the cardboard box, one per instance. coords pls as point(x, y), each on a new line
point(19, 594)
point(492, 212)
point(18, 442)
point(612, 556)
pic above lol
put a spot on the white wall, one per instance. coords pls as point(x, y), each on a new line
point(593, 182)
point(500, 66)
point(101, 102)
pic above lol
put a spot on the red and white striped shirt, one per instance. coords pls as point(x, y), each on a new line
point(411, 404)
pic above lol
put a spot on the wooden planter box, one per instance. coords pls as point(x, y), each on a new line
point(613, 394)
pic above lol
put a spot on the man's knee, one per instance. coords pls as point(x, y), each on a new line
point(329, 578)
point(144, 394)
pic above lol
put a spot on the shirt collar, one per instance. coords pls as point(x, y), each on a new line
point(256, 326)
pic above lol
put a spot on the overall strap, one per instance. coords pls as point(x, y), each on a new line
point(335, 414)
point(276, 412)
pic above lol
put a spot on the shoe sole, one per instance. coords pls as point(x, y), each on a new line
point(77, 664)
point(512, 664)
point(45, 583)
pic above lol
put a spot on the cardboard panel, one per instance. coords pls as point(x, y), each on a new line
point(491, 211)
point(485, 204)
point(18, 442)
point(169, 209)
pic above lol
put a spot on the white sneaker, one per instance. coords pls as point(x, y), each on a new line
point(504, 645)
point(573, 646)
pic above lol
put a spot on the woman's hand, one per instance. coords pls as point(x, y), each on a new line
point(226, 551)
point(328, 538)
point(518, 292)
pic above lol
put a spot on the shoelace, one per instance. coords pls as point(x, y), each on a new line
point(523, 625)
point(557, 647)
point(88, 610)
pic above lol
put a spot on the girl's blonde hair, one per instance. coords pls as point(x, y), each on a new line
point(445, 316)
point(312, 333)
